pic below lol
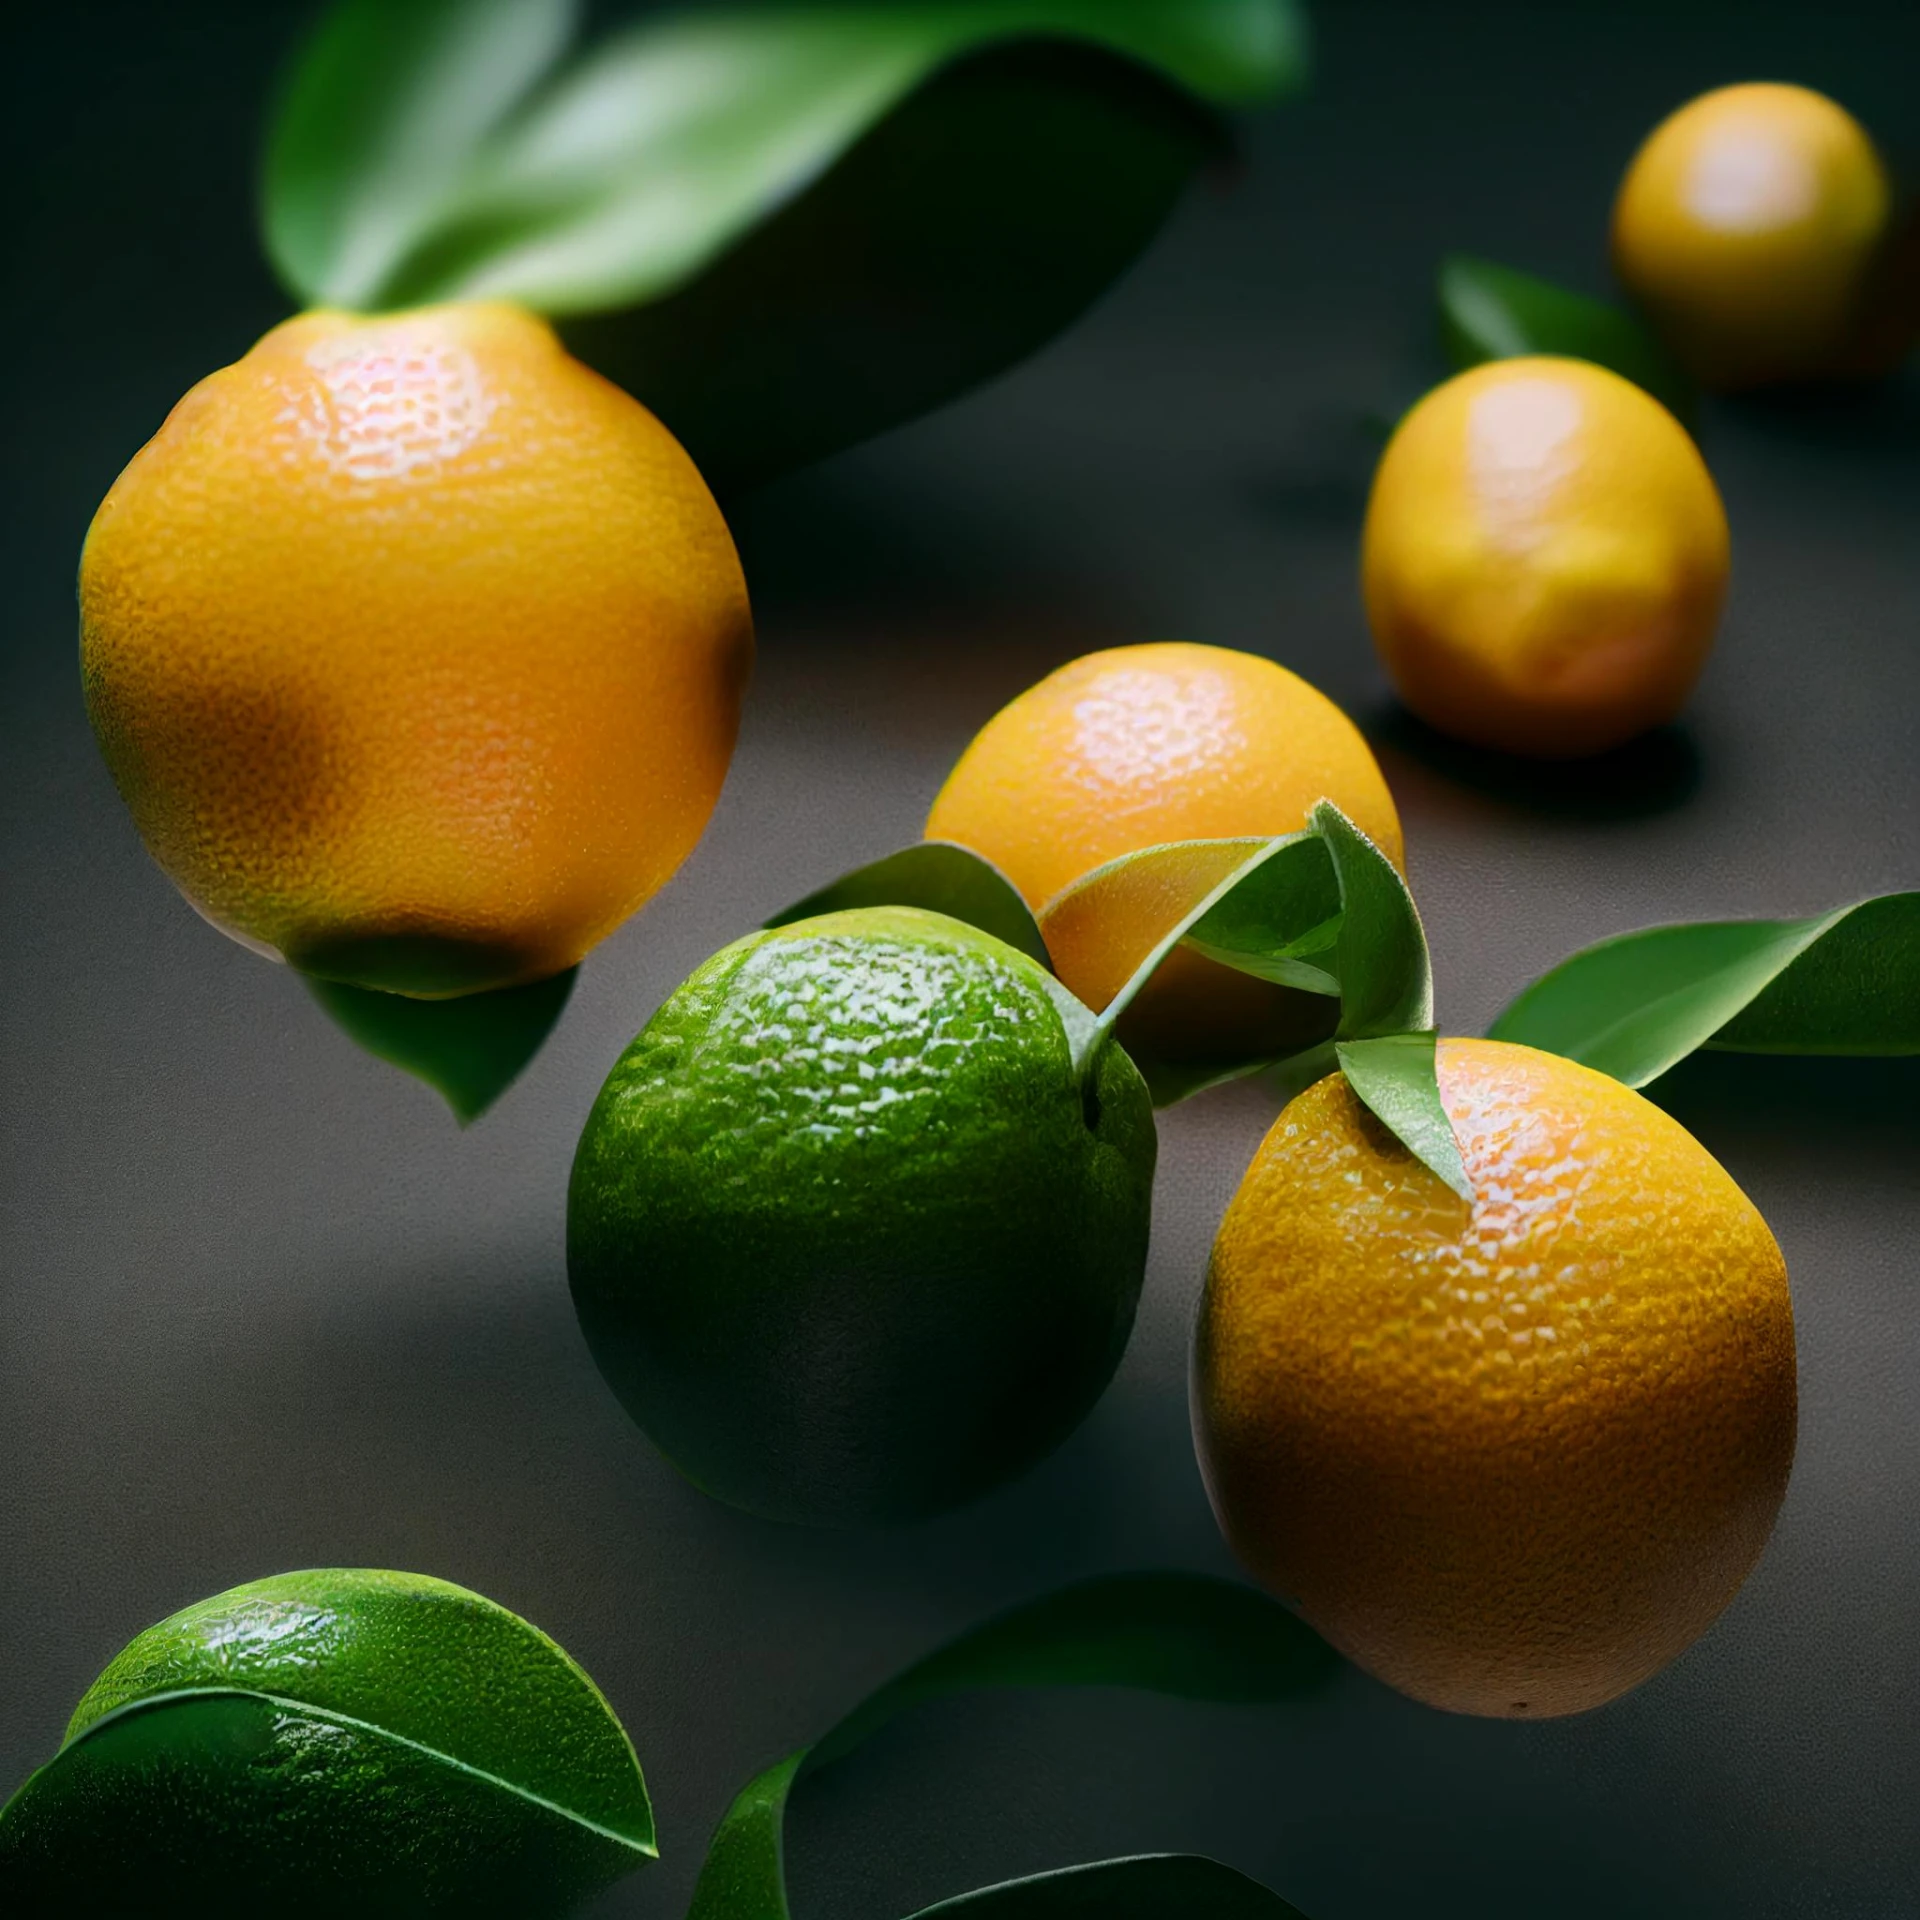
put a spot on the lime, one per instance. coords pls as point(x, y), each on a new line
point(341, 1740)
point(849, 1234)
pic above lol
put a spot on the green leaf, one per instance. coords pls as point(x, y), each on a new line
point(387, 106)
point(328, 1739)
point(1380, 955)
point(1147, 1887)
point(1179, 1634)
point(943, 878)
point(1270, 909)
point(784, 228)
point(1385, 1042)
point(1258, 906)
point(1490, 312)
point(1846, 982)
point(469, 1049)
point(1324, 911)
point(1394, 1076)
point(663, 149)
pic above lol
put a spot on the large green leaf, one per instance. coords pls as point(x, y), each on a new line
point(469, 1049)
point(660, 151)
point(385, 110)
point(332, 1741)
point(1846, 982)
point(787, 227)
point(1181, 1634)
point(937, 875)
point(1490, 312)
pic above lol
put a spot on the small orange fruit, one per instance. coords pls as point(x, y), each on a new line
point(1140, 747)
point(1511, 1457)
point(415, 648)
point(1544, 558)
point(1753, 227)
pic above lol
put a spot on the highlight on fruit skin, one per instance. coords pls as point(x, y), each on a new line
point(850, 1234)
point(1759, 231)
point(415, 648)
point(1510, 1458)
point(340, 1740)
point(1544, 558)
point(1143, 746)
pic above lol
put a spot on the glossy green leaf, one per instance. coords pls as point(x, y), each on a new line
point(332, 1741)
point(387, 107)
point(1385, 1040)
point(1268, 913)
point(469, 1049)
point(1279, 919)
point(936, 875)
point(1394, 1076)
point(1327, 911)
point(1180, 1634)
point(1846, 982)
point(1147, 1887)
point(1490, 312)
point(670, 143)
point(1380, 955)
point(784, 227)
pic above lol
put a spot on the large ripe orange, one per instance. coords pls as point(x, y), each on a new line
point(1140, 747)
point(1514, 1457)
point(416, 649)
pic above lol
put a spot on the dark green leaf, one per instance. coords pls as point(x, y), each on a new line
point(939, 876)
point(1490, 312)
point(469, 1049)
point(1180, 1634)
point(1394, 1076)
point(1846, 982)
point(330, 1741)
point(1149, 1887)
point(1386, 977)
point(387, 106)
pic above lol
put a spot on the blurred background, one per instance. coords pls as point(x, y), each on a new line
point(265, 1305)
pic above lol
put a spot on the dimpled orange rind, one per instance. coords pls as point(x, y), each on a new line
point(1514, 1458)
point(415, 648)
point(1140, 746)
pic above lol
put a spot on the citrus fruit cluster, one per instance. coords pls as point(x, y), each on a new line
point(851, 1247)
point(1546, 555)
point(417, 651)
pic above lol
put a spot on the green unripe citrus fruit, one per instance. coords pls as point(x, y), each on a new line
point(848, 1234)
point(335, 1741)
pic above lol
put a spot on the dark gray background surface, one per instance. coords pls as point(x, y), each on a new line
point(265, 1306)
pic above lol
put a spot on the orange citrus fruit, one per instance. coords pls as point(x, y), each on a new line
point(416, 649)
point(1754, 227)
point(1510, 1457)
point(1544, 558)
point(1144, 746)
